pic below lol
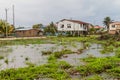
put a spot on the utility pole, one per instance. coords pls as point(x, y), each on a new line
point(6, 11)
point(13, 16)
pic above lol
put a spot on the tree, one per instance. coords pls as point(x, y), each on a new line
point(107, 21)
point(5, 28)
point(51, 29)
point(37, 26)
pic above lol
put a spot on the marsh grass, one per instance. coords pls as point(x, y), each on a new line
point(6, 50)
point(58, 70)
point(53, 69)
point(6, 61)
point(98, 65)
point(94, 77)
point(59, 54)
point(80, 50)
point(115, 72)
point(107, 49)
point(1, 57)
point(30, 64)
point(46, 52)
point(26, 59)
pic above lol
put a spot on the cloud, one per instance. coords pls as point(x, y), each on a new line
point(29, 12)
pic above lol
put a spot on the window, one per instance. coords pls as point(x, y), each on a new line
point(113, 26)
point(68, 25)
point(62, 26)
point(85, 27)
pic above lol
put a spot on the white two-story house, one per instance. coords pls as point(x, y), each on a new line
point(114, 27)
point(72, 26)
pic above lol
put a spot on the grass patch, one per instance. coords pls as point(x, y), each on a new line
point(50, 70)
point(98, 65)
point(1, 57)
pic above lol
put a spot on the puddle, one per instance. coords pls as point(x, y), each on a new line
point(18, 55)
point(17, 58)
point(93, 51)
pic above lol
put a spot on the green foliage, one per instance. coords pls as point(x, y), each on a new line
point(98, 65)
point(58, 69)
point(1, 57)
point(95, 77)
point(26, 58)
point(30, 64)
point(37, 26)
point(117, 52)
point(108, 49)
point(50, 70)
point(46, 52)
point(64, 65)
point(5, 28)
point(6, 61)
point(86, 44)
point(80, 50)
point(114, 72)
point(51, 29)
point(58, 54)
point(107, 21)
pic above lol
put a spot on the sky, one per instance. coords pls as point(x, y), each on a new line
point(30, 12)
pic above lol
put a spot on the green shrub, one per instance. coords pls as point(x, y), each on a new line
point(26, 58)
point(64, 65)
point(58, 54)
point(6, 61)
point(30, 64)
point(1, 57)
point(95, 77)
point(98, 65)
point(117, 52)
point(114, 72)
point(46, 52)
point(107, 49)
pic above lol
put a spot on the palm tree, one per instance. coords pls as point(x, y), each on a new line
point(51, 29)
point(106, 22)
point(5, 28)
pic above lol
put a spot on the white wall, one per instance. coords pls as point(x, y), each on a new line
point(111, 28)
point(74, 26)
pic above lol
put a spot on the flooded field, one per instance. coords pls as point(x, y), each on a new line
point(73, 60)
point(19, 55)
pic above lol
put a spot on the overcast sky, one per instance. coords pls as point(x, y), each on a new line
point(29, 12)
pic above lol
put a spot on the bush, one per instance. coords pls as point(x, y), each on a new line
point(117, 52)
point(46, 52)
point(95, 77)
point(58, 54)
point(1, 57)
point(114, 72)
point(64, 65)
point(98, 65)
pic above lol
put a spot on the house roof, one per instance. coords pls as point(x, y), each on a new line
point(75, 21)
point(26, 29)
point(98, 27)
point(115, 22)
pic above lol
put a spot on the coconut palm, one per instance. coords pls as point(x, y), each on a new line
point(107, 21)
point(5, 28)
